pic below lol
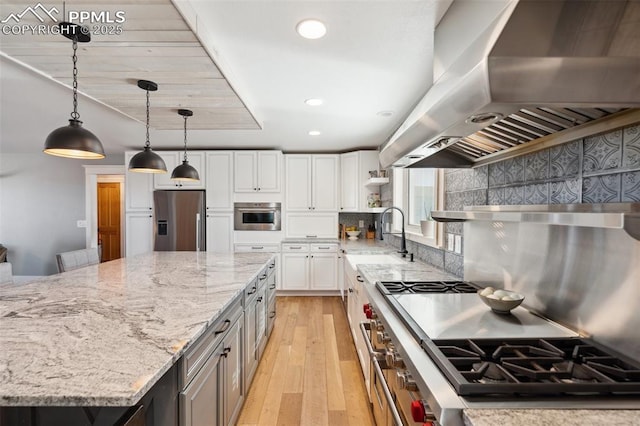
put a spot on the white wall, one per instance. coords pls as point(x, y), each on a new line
point(41, 198)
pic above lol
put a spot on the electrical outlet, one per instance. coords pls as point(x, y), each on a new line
point(81, 224)
point(361, 224)
point(450, 242)
point(457, 244)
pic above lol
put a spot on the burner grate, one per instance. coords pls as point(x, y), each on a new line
point(398, 287)
point(533, 366)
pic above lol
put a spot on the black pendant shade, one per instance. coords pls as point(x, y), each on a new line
point(74, 141)
point(147, 161)
point(185, 171)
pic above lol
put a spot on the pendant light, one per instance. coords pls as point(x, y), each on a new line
point(185, 171)
point(147, 161)
point(74, 141)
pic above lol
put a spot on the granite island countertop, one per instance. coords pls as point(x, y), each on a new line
point(104, 335)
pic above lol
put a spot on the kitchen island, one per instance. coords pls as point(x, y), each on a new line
point(104, 335)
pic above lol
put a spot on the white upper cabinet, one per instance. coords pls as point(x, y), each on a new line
point(349, 190)
point(298, 182)
point(257, 171)
point(219, 180)
point(269, 174)
point(138, 188)
point(354, 175)
point(312, 182)
point(173, 159)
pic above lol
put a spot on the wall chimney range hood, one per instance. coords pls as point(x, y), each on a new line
point(541, 71)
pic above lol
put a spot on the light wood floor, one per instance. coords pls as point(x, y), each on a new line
point(309, 374)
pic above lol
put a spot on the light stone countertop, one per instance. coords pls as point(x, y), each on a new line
point(103, 335)
point(487, 417)
point(364, 246)
point(409, 271)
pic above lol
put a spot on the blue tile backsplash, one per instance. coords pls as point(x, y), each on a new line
point(597, 169)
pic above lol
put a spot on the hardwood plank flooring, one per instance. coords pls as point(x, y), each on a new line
point(309, 373)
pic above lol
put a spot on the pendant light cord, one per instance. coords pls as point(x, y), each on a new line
point(75, 115)
point(147, 143)
point(185, 138)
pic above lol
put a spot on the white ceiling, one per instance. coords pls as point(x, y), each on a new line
point(376, 56)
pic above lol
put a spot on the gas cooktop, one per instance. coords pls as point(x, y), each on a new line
point(484, 353)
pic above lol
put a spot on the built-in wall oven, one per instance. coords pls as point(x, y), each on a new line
point(257, 216)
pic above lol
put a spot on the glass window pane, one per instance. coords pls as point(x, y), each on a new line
point(422, 194)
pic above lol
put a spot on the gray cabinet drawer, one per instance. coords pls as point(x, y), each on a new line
point(196, 356)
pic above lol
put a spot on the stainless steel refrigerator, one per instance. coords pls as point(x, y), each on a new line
point(179, 220)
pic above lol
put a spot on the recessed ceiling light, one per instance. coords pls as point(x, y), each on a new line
point(385, 113)
point(311, 29)
point(314, 132)
point(313, 101)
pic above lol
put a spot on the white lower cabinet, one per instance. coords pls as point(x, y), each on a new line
point(139, 233)
point(309, 266)
point(220, 232)
point(356, 298)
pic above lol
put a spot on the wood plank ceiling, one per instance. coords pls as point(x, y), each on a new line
point(155, 43)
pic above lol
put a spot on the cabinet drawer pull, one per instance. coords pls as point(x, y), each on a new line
point(224, 328)
point(273, 265)
point(359, 278)
point(272, 287)
point(257, 247)
point(273, 314)
point(225, 352)
point(263, 277)
point(253, 290)
point(295, 248)
point(324, 248)
point(312, 236)
point(259, 300)
point(350, 290)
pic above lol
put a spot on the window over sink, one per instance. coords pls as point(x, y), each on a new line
point(418, 192)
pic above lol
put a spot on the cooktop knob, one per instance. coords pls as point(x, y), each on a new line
point(405, 381)
point(383, 337)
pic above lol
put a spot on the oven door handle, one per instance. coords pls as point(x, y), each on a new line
point(397, 420)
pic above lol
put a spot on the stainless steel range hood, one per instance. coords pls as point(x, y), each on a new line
point(541, 68)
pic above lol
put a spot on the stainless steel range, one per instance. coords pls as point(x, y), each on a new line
point(452, 352)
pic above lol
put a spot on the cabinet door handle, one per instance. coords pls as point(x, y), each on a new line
point(262, 277)
point(259, 299)
point(350, 290)
point(225, 352)
point(150, 208)
point(258, 189)
point(272, 287)
point(273, 314)
point(272, 266)
point(224, 328)
point(255, 189)
point(359, 279)
point(253, 290)
point(312, 257)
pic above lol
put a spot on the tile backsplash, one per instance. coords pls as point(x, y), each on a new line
point(597, 169)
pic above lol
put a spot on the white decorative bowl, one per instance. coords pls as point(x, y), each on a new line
point(353, 235)
point(500, 306)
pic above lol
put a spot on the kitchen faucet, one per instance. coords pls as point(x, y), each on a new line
point(403, 240)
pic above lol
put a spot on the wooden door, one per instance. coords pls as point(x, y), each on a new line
point(109, 220)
